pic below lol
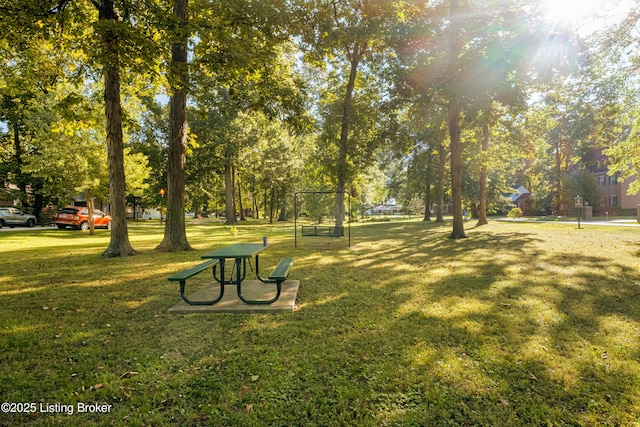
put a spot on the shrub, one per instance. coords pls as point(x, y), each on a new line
point(515, 213)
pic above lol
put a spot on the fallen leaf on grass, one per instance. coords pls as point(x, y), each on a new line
point(128, 374)
point(126, 393)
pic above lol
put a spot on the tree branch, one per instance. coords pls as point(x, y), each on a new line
point(62, 4)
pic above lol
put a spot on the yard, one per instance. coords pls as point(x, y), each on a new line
point(520, 324)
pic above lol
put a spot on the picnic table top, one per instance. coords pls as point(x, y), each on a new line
point(237, 250)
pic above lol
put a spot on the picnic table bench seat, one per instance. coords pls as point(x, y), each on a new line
point(182, 277)
point(281, 272)
point(277, 276)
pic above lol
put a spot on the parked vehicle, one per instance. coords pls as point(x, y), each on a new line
point(14, 216)
point(78, 217)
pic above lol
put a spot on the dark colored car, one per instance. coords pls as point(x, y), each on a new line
point(78, 217)
point(14, 216)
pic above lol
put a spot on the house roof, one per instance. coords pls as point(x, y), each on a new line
point(519, 192)
point(520, 195)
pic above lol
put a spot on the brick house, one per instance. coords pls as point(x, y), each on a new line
point(523, 199)
point(612, 191)
point(7, 194)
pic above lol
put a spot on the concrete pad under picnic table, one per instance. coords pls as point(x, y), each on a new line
point(230, 303)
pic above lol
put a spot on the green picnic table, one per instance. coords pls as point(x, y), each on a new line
point(240, 255)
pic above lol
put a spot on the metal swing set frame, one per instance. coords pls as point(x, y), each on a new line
point(321, 230)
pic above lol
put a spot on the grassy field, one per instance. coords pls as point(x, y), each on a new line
point(518, 325)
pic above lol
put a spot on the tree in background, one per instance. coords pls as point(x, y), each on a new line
point(580, 182)
point(265, 85)
point(345, 34)
point(29, 75)
point(175, 233)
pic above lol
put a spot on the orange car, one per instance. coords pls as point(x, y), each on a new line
point(78, 217)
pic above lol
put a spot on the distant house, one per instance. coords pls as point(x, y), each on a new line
point(5, 195)
point(523, 199)
point(9, 193)
point(390, 207)
point(612, 190)
point(81, 200)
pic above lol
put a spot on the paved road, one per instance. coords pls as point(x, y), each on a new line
point(19, 228)
point(611, 222)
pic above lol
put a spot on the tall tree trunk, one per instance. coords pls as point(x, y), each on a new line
point(266, 198)
point(271, 205)
point(344, 140)
point(442, 157)
point(474, 210)
point(38, 201)
point(482, 208)
point(456, 170)
point(283, 208)
point(91, 212)
point(16, 145)
point(240, 207)
point(455, 113)
point(19, 160)
point(427, 190)
point(119, 245)
point(233, 192)
point(230, 202)
point(175, 233)
point(558, 179)
point(427, 203)
point(254, 205)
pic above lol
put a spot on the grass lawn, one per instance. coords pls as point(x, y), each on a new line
point(518, 325)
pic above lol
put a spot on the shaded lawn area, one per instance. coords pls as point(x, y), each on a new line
point(520, 324)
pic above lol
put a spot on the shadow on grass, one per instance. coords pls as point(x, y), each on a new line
point(492, 330)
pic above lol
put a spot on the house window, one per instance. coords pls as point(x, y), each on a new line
point(601, 181)
point(614, 200)
point(613, 180)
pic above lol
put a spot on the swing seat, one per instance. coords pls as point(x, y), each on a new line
point(322, 230)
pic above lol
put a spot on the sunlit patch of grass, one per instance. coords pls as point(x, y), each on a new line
point(456, 307)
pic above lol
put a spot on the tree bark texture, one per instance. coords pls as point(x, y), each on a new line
point(455, 113)
point(344, 142)
point(91, 212)
point(230, 201)
point(456, 170)
point(254, 205)
point(283, 208)
point(272, 205)
point(240, 207)
point(482, 208)
point(175, 234)
point(558, 180)
point(442, 158)
point(427, 190)
point(119, 245)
